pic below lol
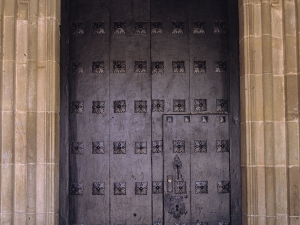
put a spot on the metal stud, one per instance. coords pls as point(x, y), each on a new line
point(98, 107)
point(204, 119)
point(140, 66)
point(119, 147)
point(180, 187)
point(158, 105)
point(140, 27)
point(222, 119)
point(199, 66)
point(157, 187)
point(223, 187)
point(76, 189)
point(140, 147)
point(156, 28)
point(140, 106)
point(77, 28)
point(219, 27)
point(120, 106)
point(178, 105)
point(77, 148)
point(200, 146)
point(201, 187)
point(200, 105)
point(179, 146)
point(178, 66)
point(98, 188)
point(169, 119)
point(98, 27)
point(119, 27)
point(222, 105)
point(77, 107)
point(157, 146)
point(220, 67)
point(222, 145)
point(187, 119)
point(77, 67)
point(98, 147)
point(199, 27)
point(177, 27)
point(120, 188)
point(98, 67)
point(157, 67)
point(141, 188)
point(119, 67)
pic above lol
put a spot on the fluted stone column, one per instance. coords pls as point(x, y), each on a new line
point(29, 104)
point(270, 97)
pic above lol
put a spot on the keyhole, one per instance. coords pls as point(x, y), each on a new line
point(177, 208)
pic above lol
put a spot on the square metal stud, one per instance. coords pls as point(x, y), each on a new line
point(178, 66)
point(98, 27)
point(222, 105)
point(157, 67)
point(220, 67)
point(140, 106)
point(140, 147)
point(204, 119)
point(119, 27)
point(199, 27)
point(119, 67)
point(200, 105)
point(77, 27)
point(140, 66)
point(119, 147)
point(141, 188)
point(120, 188)
point(77, 107)
point(179, 146)
point(77, 148)
point(219, 27)
point(98, 147)
point(222, 145)
point(76, 189)
point(157, 187)
point(222, 119)
point(187, 119)
point(98, 107)
point(98, 67)
point(178, 105)
point(180, 187)
point(177, 27)
point(120, 106)
point(223, 187)
point(98, 188)
point(201, 187)
point(157, 146)
point(140, 27)
point(200, 146)
point(158, 105)
point(169, 119)
point(199, 66)
point(156, 27)
point(77, 67)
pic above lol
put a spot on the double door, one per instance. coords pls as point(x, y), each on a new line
point(149, 102)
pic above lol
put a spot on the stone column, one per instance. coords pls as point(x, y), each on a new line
point(29, 105)
point(270, 97)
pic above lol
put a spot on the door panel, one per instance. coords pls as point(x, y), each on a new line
point(149, 100)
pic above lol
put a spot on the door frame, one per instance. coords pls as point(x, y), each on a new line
point(234, 115)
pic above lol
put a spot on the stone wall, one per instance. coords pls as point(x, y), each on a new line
point(269, 75)
point(29, 105)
